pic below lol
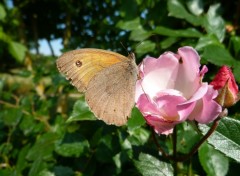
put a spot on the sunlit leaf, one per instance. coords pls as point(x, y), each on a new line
point(149, 166)
point(136, 119)
point(189, 32)
point(81, 112)
point(43, 148)
point(139, 136)
point(213, 162)
point(178, 10)
point(213, 22)
point(224, 138)
point(166, 43)
point(11, 116)
point(45, 173)
point(218, 55)
point(139, 34)
point(145, 47)
point(37, 166)
point(2, 12)
point(17, 50)
point(73, 144)
point(129, 25)
point(195, 6)
point(206, 40)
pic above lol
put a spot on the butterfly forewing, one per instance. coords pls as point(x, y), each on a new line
point(80, 66)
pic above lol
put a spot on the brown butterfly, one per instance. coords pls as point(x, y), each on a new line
point(107, 78)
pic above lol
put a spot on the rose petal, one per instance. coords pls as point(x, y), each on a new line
point(146, 106)
point(188, 80)
point(167, 104)
point(160, 126)
point(206, 109)
point(159, 74)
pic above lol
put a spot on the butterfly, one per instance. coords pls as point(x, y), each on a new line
point(106, 78)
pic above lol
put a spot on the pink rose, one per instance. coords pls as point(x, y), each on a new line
point(171, 91)
point(227, 87)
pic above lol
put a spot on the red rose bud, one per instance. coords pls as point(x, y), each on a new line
point(227, 87)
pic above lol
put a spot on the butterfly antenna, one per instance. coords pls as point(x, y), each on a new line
point(124, 48)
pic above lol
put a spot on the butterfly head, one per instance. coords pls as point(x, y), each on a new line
point(131, 56)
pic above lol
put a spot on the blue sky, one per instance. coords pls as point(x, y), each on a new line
point(45, 50)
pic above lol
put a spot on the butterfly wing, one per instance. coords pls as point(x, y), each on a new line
point(80, 66)
point(110, 94)
point(107, 78)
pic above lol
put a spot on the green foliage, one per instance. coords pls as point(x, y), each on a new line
point(213, 162)
point(149, 165)
point(46, 127)
point(225, 138)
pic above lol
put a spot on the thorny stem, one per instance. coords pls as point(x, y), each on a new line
point(194, 149)
point(166, 155)
point(174, 142)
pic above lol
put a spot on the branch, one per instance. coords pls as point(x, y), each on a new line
point(194, 149)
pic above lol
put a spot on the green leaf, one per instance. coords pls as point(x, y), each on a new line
point(139, 34)
point(4, 37)
point(213, 23)
point(236, 70)
point(7, 171)
point(149, 166)
point(43, 148)
point(129, 25)
point(225, 138)
point(128, 9)
point(189, 32)
point(136, 119)
point(63, 171)
point(138, 136)
point(168, 42)
point(177, 10)
point(105, 151)
point(2, 12)
point(17, 50)
point(21, 161)
point(206, 40)
point(218, 55)
point(11, 116)
point(28, 124)
point(73, 144)
point(81, 112)
point(37, 166)
point(145, 47)
point(6, 148)
point(45, 173)
point(185, 134)
point(213, 162)
point(195, 7)
point(235, 43)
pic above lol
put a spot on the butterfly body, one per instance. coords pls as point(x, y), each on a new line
point(107, 78)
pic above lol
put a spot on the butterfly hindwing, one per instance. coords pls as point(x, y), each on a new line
point(110, 94)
